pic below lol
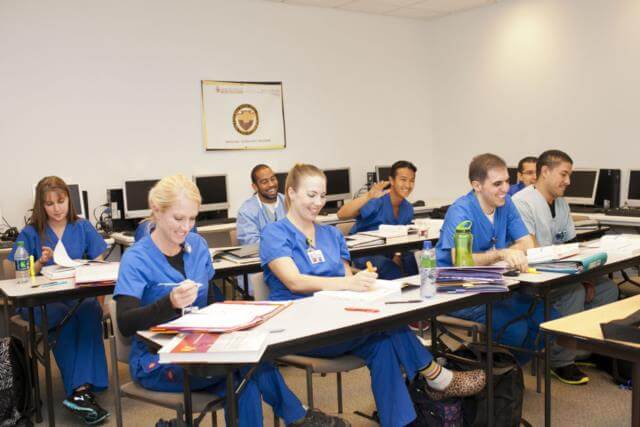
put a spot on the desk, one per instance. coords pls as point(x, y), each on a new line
point(582, 330)
point(621, 221)
point(21, 295)
point(326, 322)
point(542, 284)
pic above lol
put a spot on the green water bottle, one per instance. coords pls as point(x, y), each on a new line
point(463, 243)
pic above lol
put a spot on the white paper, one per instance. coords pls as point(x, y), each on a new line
point(382, 289)
point(61, 257)
point(552, 253)
point(221, 316)
point(93, 273)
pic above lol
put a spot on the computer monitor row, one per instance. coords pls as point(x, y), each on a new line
point(213, 189)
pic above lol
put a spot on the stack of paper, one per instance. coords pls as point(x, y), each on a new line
point(235, 347)
point(62, 258)
point(225, 317)
point(386, 231)
point(552, 253)
point(381, 290)
point(622, 244)
point(360, 240)
point(97, 273)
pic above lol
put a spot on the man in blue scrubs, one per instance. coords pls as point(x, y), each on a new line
point(548, 217)
point(526, 174)
point(386, 207)
point(498, 235)
point(264, 207)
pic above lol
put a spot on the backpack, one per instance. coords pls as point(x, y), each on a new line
point(15, 391)
point(508, 387)
point(429, 413)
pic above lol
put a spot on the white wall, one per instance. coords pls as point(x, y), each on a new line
point(523, 76)
point(98, 92)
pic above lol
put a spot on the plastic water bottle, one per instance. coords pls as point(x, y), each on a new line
point(427, 265)
point(21, 259)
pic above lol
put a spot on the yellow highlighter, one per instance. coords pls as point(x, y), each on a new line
point(370, 268)
point(32, 268)
point(532, 270)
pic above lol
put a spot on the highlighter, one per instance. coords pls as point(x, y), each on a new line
point(370, 268)
point(32, 268)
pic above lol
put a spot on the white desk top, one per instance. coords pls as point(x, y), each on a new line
point(624, 221)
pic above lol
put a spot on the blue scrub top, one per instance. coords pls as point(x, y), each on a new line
point(80, 239)
point(507, 227)
point(252, 218)
point(146, 227)
point(282, 239)
point(380, 211)
point(143, 270)
point(515, 188)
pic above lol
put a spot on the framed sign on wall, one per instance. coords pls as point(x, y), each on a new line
point(242, 115)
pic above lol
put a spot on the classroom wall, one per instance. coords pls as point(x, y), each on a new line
point(98, 92)
point(522, 76)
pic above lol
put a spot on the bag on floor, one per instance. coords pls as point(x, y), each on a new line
point(429, 413)
point(15, 392)
point(508, 387)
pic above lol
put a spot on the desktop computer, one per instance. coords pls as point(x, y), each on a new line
point(513, 175)
point(608, 189)
point(282, 179)
point(582, 190)
point(136, 198)
point(215, 204)
point(632, 202)
point(338, 189)
point(383, 173)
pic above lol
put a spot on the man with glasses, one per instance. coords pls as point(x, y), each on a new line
point(546, 214)
point(526, 175)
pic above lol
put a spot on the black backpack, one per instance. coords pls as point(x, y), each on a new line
point(429, 413)
point(508, 387)
point(15, 391)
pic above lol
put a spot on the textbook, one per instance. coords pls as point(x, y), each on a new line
point(573, 266)
point(471, 275)
point(225, 316)
point(234, 347)
point(386, 231)
point(552, 253)
point(361, 240)
point(86, 273)
point(382, 289)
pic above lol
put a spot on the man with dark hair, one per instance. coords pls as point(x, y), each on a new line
point(379, 206)
point(265, 206)
point(498, 235)
point(526, 174)
point(546, 214)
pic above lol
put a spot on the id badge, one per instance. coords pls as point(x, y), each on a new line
point(315, 256)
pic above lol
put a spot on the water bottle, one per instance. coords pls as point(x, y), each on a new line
point(463, 243)
point(21, 259)
point(427, 265)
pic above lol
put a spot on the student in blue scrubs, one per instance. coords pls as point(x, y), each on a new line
point(499, 234)
point(169, 270)
point(264, 207)
point(526, 174)
point(300, 257)
point(79, 350)
point(379, 207)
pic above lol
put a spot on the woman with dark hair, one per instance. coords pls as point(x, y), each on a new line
point(79, 351)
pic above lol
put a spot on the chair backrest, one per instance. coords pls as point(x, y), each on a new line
point(345, 227)
point(260, 288)
point(123, 344)
point(233, 237)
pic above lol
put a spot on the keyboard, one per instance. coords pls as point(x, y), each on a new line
point(623, 212)
point(6, 244)
point(585, 209)
point(329, 211)
point(215, 221)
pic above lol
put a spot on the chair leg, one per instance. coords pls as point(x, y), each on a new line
point(538, 374)
point(276, 420)
point(339, 384)
point(116, 380)
point(214, 419)
point(309, 388)
point(180, 416)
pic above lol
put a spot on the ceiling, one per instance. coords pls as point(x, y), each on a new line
point(416, 9)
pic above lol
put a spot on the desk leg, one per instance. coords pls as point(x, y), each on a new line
point(7, 324)
point(434, 336)
point(547, 362)
point(33, 352)
point(46, 361)
point(188, 408)
point(635, 396)
point(489, 338)
point(232, 416)
point(245, 278)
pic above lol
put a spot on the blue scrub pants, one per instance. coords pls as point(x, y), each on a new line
point(79, 351)
point(387, 269)
point(384, 354)
point(266, 381)
point(521, 333)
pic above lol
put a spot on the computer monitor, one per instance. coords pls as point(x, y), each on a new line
point(338, 184)
point(213, 189)
point(383, 173)
point(136, 197)
point(582, 190)
point(282, 178)
point(513, 175)
point(633, 190)
point(75, 194)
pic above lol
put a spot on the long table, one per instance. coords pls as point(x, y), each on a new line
point(327, 322)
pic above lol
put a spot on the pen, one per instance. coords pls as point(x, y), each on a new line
point(44, 285)
point(362, 309)
point(408, 301)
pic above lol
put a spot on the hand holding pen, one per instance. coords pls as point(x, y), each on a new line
point(363, 280)
point(184, 294)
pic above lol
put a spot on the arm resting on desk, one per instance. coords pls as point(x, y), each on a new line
point(287, 271)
